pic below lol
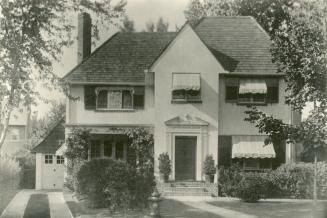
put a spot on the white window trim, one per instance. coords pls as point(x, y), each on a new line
point(45, 159)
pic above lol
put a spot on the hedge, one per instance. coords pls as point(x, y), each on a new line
point(113, 184)
point(287, 181)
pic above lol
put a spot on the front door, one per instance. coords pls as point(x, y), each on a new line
point(185, 151)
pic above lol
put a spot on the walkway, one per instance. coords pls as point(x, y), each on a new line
point(16, 208)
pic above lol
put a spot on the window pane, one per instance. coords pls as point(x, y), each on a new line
point(119, 150)
point(265, 163)
point(48, 159)
point(95, 148)
point(251, 163)
point(179, 94)
point(193, 95)
point(231, 93)
point(244, 97)
point(115, 99)
point(107, 150)
point(102, 99)
point(60, 160)
point(258, 97)
point(127, 99)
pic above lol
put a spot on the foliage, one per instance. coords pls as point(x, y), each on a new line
point(150, 27)
point(78, 143)
point(164, 164)
point(113, 184)
point(9, 171)
point(141, 144)
point(33, 35)
point(209, 165)
point(228, 179)
point(161, 26)
point(128, 25)
point(251, 188)
point(269, 13)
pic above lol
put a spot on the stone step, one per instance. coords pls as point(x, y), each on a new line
point(185, 184)
point(185, 189)
point(186, 193)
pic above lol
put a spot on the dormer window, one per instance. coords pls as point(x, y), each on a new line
point(186, 87)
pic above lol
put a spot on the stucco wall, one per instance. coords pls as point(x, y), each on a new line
point(180, 57)
point(78, 115)
point(231, 115)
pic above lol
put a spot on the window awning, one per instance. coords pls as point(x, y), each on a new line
point(251, 147)
point(186, 81)
point(255, 86)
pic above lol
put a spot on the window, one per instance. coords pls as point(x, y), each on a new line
point(119, 150)
point(250, 163)
point(95, 149)
point(252, 91)
point(107, 148)
point(48, 159)
point(115, 98)
point(60, 160)
point(186, 87)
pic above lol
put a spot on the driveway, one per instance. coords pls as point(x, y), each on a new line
point(31, 203)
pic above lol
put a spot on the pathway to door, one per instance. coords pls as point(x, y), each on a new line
point(31, 203)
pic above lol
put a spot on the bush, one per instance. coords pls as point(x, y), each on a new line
point(209, 165)
point(164, 164)
point(113, 184)
point(252, 187)
point(9, 173)
point(228, 180)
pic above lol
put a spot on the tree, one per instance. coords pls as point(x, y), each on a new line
point(32, 36)
point(128, 25)
point(162, 26)
point(149, 26)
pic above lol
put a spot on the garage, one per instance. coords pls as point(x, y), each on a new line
point(50, 167)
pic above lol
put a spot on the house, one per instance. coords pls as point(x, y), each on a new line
point(49, 172)
point(18, 132)
point(190, 87)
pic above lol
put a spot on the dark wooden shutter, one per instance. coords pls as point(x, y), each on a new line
point(232, 89)
point(272, 90)
point(138, 98)
point(89, 97)
point(224, 150)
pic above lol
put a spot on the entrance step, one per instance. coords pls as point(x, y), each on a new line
point(188, 189)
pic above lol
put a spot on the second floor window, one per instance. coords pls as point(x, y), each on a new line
point(186, 87)
point(252, 91)
point(115, 99)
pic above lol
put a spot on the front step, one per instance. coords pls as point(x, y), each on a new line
point(188, 189)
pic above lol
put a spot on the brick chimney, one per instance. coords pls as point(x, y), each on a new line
point(83, 37)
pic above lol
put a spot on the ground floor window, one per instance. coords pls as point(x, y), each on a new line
point(108, 146)
point(254, 163)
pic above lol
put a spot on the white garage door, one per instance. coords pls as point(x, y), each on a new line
point(53, 172)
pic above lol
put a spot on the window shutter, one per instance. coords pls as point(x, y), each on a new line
point(272, 90)
point(89, 97)
point(232, 89)
point(138, 98)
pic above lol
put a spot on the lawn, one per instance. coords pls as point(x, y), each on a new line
point(275, 208)
point(6, 195)
point(37, 206)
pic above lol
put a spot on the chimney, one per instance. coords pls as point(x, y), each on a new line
point(83, 36)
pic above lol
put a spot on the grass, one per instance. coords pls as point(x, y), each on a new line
point(6, 195)
point(274, 209)
point(37, 207)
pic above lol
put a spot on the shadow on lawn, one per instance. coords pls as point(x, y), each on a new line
point(172, 208)
point(274, 209)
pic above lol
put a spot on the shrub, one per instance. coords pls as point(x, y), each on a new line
point(9, 173)
point(209, 165)
point(164, 164)
point(228, 180)
point(113, 184)
point(251, 188)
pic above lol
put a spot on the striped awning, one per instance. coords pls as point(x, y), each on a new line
point(251, 147)
point(186, 81)
point(255, 86)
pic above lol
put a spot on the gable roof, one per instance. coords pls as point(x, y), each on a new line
point(53, 141)
point(123, 58)
point(238, 42)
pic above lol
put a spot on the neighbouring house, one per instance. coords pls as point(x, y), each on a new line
point(190, 87)
point(50, 163)
point(18, 132)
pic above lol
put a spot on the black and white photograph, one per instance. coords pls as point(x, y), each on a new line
point(163, 108)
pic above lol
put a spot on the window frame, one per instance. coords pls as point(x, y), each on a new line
point(60, 159)
point(47, 159)
point(115, 89)
point(186, 99)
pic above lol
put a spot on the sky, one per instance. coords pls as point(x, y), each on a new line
point(141, 11)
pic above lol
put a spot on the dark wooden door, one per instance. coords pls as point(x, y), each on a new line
point(185, 151)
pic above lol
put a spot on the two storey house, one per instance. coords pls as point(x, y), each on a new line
point(190, 87)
